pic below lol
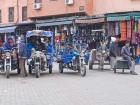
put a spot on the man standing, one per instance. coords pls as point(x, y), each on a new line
point(113, 51)
point(127, 56)
point(22, 56)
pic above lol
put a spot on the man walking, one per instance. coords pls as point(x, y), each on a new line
point(22, 56)
point(113, 51)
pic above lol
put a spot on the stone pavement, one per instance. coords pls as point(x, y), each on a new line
point(97, 88)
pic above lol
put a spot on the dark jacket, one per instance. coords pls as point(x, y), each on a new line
point(125, 52)
point(114, 49)
point(22, 49)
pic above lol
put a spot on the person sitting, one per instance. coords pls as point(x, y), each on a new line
point(125, 52)
point(9, 45)
point(30, 46)
point(102, 54)
point(62, 49)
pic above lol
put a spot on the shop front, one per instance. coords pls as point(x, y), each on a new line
point(6, 32)
point(127, 26)
point(90, 29)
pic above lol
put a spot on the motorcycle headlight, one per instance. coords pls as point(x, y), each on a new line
point(38, 54)
point(7, 54)
point(103, 52)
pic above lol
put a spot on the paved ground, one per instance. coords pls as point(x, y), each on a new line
point(97, 88)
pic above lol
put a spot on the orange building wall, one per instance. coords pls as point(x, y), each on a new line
point(89, 7)
point(58, 7)
point(113, 6)
point(4, 6)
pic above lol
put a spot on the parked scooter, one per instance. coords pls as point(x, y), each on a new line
point(10, 62)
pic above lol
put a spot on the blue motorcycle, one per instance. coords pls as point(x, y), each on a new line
point(40, 55)
point(72, 61)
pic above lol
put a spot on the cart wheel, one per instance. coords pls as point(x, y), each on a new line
point(37, 71)
point(83, 71)
point(50, 69)
point(7, 71)
point(61, 67)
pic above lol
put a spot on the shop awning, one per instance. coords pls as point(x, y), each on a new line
point(137, 18)
point(55, 23)
point(89, 21)
point(117, 18)
point(7, 29)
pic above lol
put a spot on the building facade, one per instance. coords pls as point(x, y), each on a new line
point(14, 18)
point(72, 17)
point(11, 11)
point(122, 18)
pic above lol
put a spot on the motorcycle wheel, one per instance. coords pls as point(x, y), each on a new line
point(37, 71)
point(61, 67)
point(50, 69)
point(7, 71)
point(30, 69)
point(83, 70)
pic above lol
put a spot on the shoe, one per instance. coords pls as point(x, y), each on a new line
point(133, 73)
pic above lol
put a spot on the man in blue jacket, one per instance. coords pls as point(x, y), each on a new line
point(22, 56)
point(127, 56)
point(9, 44)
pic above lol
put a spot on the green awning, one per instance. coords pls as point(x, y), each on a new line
point(137, 18)
point(117, 18)
point(123, 16)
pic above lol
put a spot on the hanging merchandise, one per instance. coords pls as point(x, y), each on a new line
point(123, 30)
point(134, 34)
point(138, 50)
point(62, 37)
point(110, 29)
point(117, 28)
point(113, 29)
point(139, 27)
point(135, 27)
point(129, 32)
point(134, 38)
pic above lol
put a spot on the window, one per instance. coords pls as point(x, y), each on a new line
point(38, 1)
point(11, 14)
point(0, 16)
point(81, 8)
point(24, 13)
